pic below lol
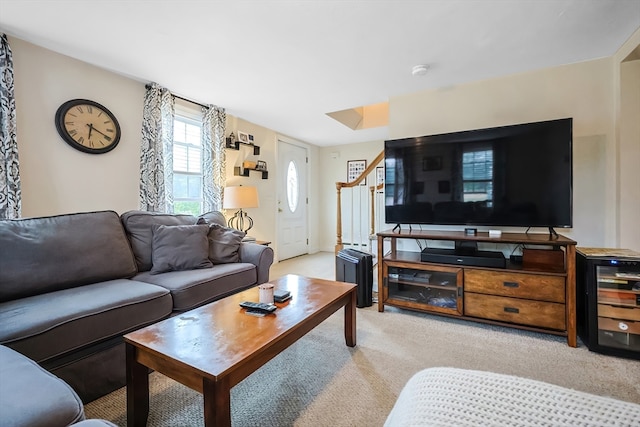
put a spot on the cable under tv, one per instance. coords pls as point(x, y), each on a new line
point(475, 259)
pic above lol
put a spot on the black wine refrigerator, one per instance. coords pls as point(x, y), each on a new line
point(608, 300)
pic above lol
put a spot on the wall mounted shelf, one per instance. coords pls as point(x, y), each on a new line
point(235, 145)
point(238, 171)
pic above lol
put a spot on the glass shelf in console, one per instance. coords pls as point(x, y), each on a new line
point(428, 289)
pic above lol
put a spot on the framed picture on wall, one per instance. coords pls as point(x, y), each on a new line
point(379, 176)
point(355, 169)
point(243, 137)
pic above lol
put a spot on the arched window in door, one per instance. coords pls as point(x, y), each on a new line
point(293, 190)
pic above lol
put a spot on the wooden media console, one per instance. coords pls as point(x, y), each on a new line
point(538, 294)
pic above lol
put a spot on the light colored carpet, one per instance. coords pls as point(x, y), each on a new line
point(319, 381)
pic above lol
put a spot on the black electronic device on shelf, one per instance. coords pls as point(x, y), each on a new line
point(471, 259)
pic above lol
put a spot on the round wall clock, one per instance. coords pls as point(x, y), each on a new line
point(87, 126)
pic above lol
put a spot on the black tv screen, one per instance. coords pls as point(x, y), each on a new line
point(519, 175)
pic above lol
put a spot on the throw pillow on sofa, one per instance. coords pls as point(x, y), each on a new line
point(213, 217)
point(224, 244)
point(179, 247)
point(139, 227)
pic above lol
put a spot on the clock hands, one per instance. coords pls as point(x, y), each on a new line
point(107, 137)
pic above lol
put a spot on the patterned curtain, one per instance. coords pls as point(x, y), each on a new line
point(156, 153)
point(10, 195)
point(214, 160)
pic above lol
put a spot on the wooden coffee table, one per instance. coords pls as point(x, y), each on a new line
point(212, 348)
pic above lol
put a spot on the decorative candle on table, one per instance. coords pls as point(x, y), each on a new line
point(266, 293)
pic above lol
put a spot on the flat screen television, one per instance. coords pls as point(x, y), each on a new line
point(518, 175)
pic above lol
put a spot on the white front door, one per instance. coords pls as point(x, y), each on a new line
point(292, 200)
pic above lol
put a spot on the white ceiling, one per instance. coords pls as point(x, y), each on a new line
point(285, 64)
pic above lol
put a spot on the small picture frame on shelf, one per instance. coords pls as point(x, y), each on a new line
point(261, 165)
point(243, 137)
point(250, 139)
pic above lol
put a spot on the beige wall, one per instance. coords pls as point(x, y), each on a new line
point(627, 94)
point(606, 177)
point(629, 202)
point(59, 179)
point(55, 177)
point(265, 217)
point(582, 91)
point(333, 164)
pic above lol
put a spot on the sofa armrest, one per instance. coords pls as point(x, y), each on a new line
point(259, 255)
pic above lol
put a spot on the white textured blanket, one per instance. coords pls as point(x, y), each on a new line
point(459, 397)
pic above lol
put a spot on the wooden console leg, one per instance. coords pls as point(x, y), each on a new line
point(571, 312)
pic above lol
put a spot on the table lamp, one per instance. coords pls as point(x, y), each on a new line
point(240, 198)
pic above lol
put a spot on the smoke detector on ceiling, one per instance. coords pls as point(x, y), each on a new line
point(419, 70)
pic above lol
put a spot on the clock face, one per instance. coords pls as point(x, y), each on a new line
point(87, 126)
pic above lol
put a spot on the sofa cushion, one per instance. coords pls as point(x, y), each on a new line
point(213, 217)
point(190, 289)
point(139, 228)
point(31, 396)
point(40, 255)
point(224, 244)
point(48, 325)
point(179, 247)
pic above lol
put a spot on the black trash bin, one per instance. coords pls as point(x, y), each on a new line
point(355, 266)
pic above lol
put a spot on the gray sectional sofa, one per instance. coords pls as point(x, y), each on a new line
point(33, 397)
point(72, 285)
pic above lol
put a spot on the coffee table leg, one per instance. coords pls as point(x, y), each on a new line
point(137, 390)
point(217, 402)
point(350, 320)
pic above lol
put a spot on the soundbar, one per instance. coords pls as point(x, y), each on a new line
point(477, 259)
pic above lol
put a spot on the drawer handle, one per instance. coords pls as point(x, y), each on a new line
point(511, 284)
point(511, 310)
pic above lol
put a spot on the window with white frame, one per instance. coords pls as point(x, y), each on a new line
point(187, 164)
point(477, 175)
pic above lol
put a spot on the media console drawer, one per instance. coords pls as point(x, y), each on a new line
point(525, 312)
point(519, 285)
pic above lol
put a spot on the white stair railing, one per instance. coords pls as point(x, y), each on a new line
point(360, 210)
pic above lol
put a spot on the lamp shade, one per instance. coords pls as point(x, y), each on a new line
point(240, 197)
